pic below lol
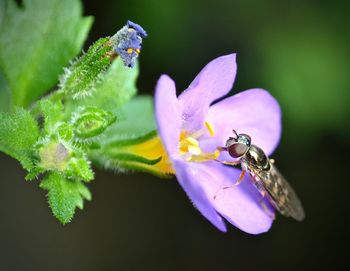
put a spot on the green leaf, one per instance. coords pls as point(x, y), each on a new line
point(79, 168)
point(36, 41)
point(18, 133)
point(135, 119)
point(5, 94)
point(117, 86)
point(64, 196)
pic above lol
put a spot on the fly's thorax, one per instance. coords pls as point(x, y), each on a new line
point(257, 158)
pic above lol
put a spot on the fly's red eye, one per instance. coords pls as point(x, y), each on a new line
point(237, 149)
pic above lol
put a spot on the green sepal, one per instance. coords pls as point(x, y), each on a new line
point(132, 158)
point(125, 155)
point(119, 144)
point(81, 78)
point(64, 196)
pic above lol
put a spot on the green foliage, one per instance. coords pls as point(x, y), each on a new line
point(112, 89)
point(81, 77)
point(135, 119)
point(52, 113)
point(79, 168)
point(117, 86)
point(36, 41)
point(78, 120)
point(5, 94)
point(18, 133)
point(91, 121)
point(131, 143)
point(64, 196)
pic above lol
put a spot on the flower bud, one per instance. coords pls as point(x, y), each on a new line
point(91, 121)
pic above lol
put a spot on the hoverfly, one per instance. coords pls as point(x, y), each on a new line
point(267, 179)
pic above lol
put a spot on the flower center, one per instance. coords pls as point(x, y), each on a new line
point(189, 145)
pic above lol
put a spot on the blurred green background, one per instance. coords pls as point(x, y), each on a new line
point(299, 51)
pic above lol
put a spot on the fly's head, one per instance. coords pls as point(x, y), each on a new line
point(239, 145)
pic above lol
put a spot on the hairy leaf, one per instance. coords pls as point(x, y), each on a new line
point(64, 196)
point(18, 133)
point(36, 41)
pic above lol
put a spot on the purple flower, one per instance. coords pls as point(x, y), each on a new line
point(127, 43)
point(187, 126)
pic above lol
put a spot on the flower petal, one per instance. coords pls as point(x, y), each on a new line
point(254, 112)
point(213, 82)
point(240, 205)
point(193, 180)
point(168, 115)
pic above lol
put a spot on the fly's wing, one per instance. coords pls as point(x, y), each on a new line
point(281, 193)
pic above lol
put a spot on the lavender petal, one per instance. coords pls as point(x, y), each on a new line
point(192, 180)
point(213, 82)
point(168, 114)
point(254, 112)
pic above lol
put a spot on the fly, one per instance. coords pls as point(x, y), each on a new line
point(267, 179)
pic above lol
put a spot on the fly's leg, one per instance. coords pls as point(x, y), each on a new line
point(229, 163)
point(239, 180)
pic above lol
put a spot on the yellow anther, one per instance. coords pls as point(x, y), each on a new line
point(210, 128)
point(189, 145)
point(192, 141)
point(138, 51)
point(129, 51)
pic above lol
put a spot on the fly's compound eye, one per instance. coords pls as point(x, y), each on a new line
point(237, 149)
point(230, 141)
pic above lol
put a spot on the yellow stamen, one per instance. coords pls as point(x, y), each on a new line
point(192, 141)
point(138, 51)
point(129, 51)
point(189, 145)
point(210, 128)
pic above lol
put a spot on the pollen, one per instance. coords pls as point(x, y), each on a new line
point(129, 51)
point(138, 51)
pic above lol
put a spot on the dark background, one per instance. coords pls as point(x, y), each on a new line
point(299, 51)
